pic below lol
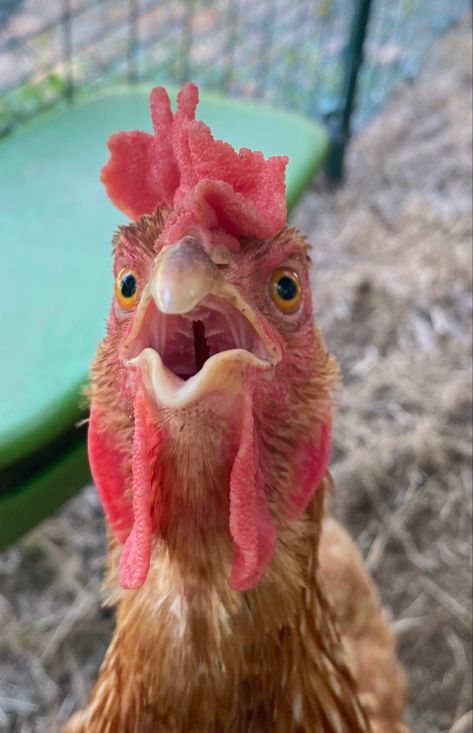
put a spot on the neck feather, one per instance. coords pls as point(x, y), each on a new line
point(276, 647)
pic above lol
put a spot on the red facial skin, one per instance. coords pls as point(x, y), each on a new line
point(288, 405)
point(234, 203)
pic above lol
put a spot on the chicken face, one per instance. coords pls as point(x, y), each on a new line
point(211, 324)
point(193, 332)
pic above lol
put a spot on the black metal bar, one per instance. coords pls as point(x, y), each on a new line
point(340, 122)
point(67, 49)
point(133, 15)
point(266, 44)
point(301, 25)
point(12, 42)
point(231, 26)
point(186, 41)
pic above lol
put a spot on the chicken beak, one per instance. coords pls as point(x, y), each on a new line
point(183, 275)
point(188, 289)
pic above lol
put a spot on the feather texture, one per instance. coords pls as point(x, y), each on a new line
point(232, 487)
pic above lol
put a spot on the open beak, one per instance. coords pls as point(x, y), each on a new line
point(193, 333)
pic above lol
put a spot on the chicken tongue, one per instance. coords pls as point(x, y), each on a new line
point(251, 525)
point(135, 559)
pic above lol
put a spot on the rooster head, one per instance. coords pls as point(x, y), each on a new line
point(212, 372)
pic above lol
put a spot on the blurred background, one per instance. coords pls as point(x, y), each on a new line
point(389, 216)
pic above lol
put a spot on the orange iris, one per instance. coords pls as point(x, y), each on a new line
point(126, 288)
point(286, 289)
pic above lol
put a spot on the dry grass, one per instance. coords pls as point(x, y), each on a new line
point(393, 291)
point(392, 285)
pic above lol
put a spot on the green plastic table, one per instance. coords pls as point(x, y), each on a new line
point(56, 225)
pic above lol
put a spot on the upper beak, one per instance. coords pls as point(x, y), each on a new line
point(193, 332)
point(183, 275)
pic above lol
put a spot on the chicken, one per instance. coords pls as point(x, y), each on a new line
point(241, 607)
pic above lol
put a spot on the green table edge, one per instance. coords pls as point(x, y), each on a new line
point(41, 431)
point(38, 498)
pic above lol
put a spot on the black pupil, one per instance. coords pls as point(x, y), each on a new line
point(287, 288)
point(128, 286)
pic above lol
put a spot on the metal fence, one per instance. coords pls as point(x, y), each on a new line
point(298, 54)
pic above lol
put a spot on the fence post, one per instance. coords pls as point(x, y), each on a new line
point(339, 121)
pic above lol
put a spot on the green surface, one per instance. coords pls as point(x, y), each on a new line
point(38, 498)
point(56, 225)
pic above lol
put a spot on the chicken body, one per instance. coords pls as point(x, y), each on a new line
point(304, 647)
point(240, 609)
point(191, 656)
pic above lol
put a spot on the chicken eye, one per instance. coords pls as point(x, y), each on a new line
point(286, 289)
point(126, 288)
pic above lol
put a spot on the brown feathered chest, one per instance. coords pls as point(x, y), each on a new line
point(192, 656)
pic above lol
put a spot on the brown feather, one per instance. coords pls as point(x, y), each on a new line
point(189, 653)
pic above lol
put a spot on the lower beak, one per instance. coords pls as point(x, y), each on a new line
point(193, 333)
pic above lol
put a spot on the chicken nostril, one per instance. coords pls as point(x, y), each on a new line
point(190, 240)
point(220, 256)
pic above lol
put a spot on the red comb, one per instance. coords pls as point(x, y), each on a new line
point(204, 182)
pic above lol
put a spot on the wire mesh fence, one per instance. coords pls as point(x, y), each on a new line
point(292, 53)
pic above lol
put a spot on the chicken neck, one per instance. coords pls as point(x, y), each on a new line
point(190, 654)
